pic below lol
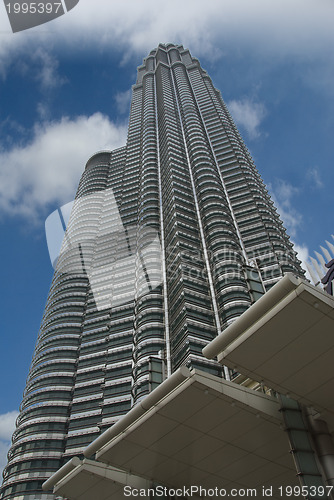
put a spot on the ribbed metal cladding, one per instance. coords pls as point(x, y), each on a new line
point(164, 240)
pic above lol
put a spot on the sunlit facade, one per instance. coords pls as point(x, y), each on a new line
point(171, 238)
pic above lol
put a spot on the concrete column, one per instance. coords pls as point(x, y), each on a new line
point(324, 447)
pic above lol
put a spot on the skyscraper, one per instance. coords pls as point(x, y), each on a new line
point(170, 239)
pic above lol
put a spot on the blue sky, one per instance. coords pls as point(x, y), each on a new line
point(64, 94)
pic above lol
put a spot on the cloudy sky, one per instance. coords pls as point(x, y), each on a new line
point(65, 90)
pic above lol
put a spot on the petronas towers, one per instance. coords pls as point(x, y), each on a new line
point(171, 238)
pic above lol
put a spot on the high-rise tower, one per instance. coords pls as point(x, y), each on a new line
point(170, 239)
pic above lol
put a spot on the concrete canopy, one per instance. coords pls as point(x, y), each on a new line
point(87, 479)
point(286, 341)
point(204, 431)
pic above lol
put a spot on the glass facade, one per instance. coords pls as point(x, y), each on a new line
point(170, 239)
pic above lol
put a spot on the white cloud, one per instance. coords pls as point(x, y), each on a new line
point(7, 426)
point(43, 110)
point(41, 67)
point(49, 167)
point(301, 25)
point(47, 67)
point(314, 176)
point(123, 100)
point(248, 114)
point(283, 193)
point(303, 255)
point(302, 28)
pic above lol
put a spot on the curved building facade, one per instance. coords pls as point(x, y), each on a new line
point(170, 239)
